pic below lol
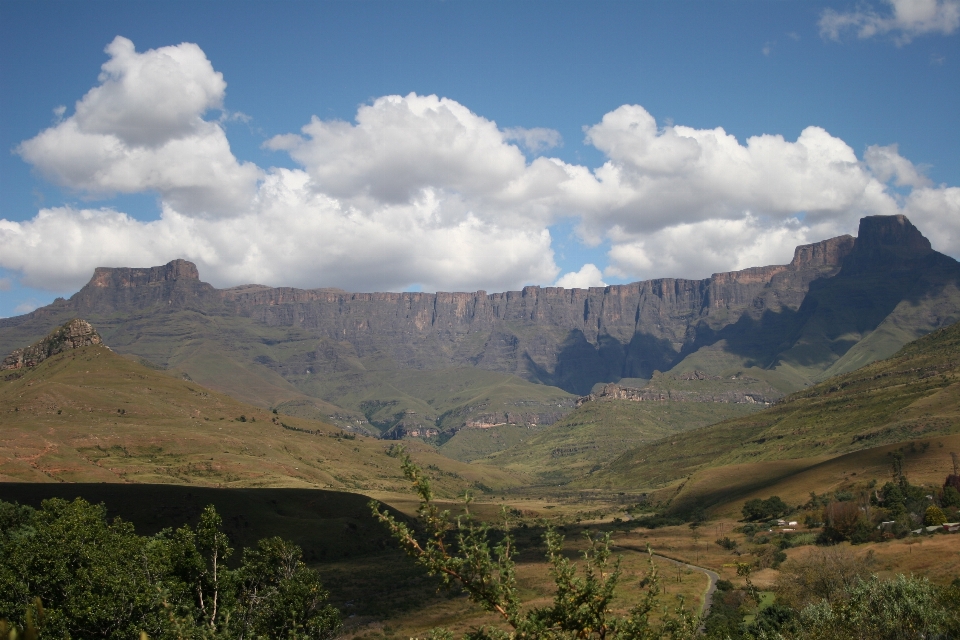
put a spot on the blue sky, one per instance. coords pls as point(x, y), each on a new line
point(573, 135)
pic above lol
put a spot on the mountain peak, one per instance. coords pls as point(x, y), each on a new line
point(135, 277)
point(886, 243)
point(891, 232)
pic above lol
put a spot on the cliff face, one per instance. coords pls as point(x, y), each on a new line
point(571, 338)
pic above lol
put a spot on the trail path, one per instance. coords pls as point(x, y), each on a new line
point(711, 587)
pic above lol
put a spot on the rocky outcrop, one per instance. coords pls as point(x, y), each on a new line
point(656, 394)
point(73, 335)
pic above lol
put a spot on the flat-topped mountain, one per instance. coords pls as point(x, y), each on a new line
point(839, 304)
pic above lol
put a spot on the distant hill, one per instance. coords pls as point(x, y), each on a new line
point(854, 417)
point(90, 415)
point(394, 363)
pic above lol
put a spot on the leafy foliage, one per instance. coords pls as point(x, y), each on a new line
point(65, 571)
point(466, 558)
point(772, 507)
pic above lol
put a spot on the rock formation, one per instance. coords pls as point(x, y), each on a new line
point(73, 335)
point(571, 338)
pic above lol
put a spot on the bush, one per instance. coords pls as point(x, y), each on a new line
point(933, 516)
point(726, 543)
point(875, 608)
point(823, 574)
point(772, 507)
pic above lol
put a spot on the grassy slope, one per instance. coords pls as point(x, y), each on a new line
point(446, 398)
point(472, 444)
point(61, 423)
point(915, 394)
point(599, 431)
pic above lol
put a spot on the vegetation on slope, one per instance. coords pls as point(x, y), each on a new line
point(913, 395)
point(69, 573)
point(584, 441)
point(91, 415)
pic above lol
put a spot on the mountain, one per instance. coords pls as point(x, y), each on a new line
point(395, 363)
point(87, 414)
point(848, 422)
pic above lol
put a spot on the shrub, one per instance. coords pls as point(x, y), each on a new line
point(875, 608)
point(726, 543)
point(933, 516)
point(823, 574)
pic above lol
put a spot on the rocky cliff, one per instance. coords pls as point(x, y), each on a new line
point(832, 294)
point(73, 335)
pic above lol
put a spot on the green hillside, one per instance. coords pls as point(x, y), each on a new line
point(913, 395)
point(89, 415)
point(599, 431)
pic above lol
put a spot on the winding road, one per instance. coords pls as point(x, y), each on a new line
point(711, 587)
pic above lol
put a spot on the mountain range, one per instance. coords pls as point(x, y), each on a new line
point(429, 364)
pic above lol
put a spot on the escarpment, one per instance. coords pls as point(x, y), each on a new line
point(799, 317)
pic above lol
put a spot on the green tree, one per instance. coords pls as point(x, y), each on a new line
point(465, 558)
point(66, 571)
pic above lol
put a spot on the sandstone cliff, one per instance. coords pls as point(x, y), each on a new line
point(799, 319)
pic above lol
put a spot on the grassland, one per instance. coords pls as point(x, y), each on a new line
point(912, 396)
point(93, 416)
point(597, 432)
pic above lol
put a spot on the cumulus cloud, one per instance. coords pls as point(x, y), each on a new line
point(588, 276)
point(536, 140)
point(142, 129)
point(419, 190)
point(905, 20)
point(657, 178)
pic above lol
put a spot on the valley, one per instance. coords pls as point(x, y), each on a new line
point(648, 411)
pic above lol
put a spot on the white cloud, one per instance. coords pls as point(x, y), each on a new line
point(936, 212)
point(25, 307)
point(887, 164)
point(141, 129)
point(6, 284)
point(588, 276)
point(419, 190)
point(906, 20)
point(536, 140)
point(657, 178)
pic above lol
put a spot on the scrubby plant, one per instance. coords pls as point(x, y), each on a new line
point(465, 556)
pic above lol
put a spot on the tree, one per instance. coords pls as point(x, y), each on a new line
point(772, 507)
point(824, 574)
point(465, 560)
point(66, 571)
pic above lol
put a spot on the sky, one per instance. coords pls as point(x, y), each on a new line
point(463, 146)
